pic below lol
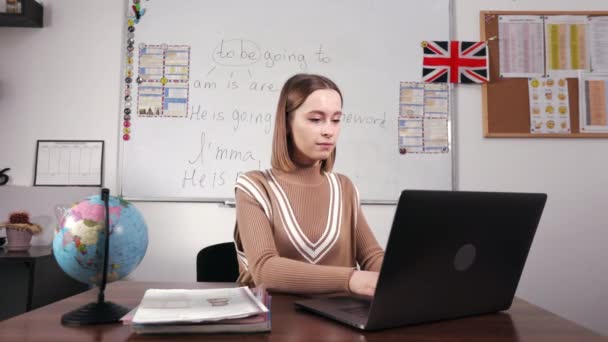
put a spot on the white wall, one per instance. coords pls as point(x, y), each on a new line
point(63, 82)
point(566, 271)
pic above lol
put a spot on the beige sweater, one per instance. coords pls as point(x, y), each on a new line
point(301, 231)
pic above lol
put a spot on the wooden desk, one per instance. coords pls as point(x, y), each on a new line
point(523, 322)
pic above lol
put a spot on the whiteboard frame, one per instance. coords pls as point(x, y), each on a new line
point(230, 202)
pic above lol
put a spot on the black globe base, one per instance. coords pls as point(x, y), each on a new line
point(95, 313)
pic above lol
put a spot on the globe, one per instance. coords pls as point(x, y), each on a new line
point(80, 236)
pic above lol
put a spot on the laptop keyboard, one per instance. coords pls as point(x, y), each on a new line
point(353, 306)
point(359, 311)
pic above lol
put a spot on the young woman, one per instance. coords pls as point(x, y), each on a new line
point(300, 227)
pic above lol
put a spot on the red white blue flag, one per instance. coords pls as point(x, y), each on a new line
point(455, 62)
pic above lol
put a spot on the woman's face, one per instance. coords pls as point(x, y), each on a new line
point(314, 127)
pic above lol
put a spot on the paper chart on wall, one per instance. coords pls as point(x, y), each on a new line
point(423, 118)
point(69, 163)
point(593, 90)
point(566, 44)
point(598, 43)
point(521, 46)
point(549, 106)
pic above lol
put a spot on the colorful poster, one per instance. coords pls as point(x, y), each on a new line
point(423, 118)
point(566, 44)
point(163, 78)
point(549, 105)
point(521, 47)
point(593, 89)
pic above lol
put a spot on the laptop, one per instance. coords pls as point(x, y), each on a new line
point(450, 254)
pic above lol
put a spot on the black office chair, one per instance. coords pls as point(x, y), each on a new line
point(217, 263)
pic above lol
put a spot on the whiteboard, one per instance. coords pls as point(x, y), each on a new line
point(238, 55)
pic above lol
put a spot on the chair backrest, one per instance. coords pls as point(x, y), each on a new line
point(217, 263)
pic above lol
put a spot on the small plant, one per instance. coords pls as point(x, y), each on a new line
point(19, 217)
point(19, 231)
point(20, 220)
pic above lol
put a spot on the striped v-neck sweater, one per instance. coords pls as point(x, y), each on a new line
point(301, 231)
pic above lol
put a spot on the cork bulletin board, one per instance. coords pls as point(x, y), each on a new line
point(506, 110)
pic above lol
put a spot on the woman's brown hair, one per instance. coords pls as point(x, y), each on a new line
point(295, 91)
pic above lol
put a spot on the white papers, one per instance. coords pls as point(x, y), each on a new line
point(566, 44)
point(598, 43)
point(556, 46)
point(549, 108)
point(423, 117)
point(593, 100)
point(521, 46)
point(172, 306)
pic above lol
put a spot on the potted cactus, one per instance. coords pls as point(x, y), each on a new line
point(19, 231)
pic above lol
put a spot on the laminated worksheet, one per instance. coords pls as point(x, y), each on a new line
point(423, 117)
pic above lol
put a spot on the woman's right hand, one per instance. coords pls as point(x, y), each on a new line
point(363, 283)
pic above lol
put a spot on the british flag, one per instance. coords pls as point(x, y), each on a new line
point(455, 62)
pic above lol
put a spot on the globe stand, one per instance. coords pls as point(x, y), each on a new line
point(101, 312)
point(95, 313)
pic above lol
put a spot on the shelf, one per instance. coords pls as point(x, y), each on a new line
point(31, 15)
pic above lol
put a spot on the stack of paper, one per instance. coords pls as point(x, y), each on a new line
point(201, 311)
